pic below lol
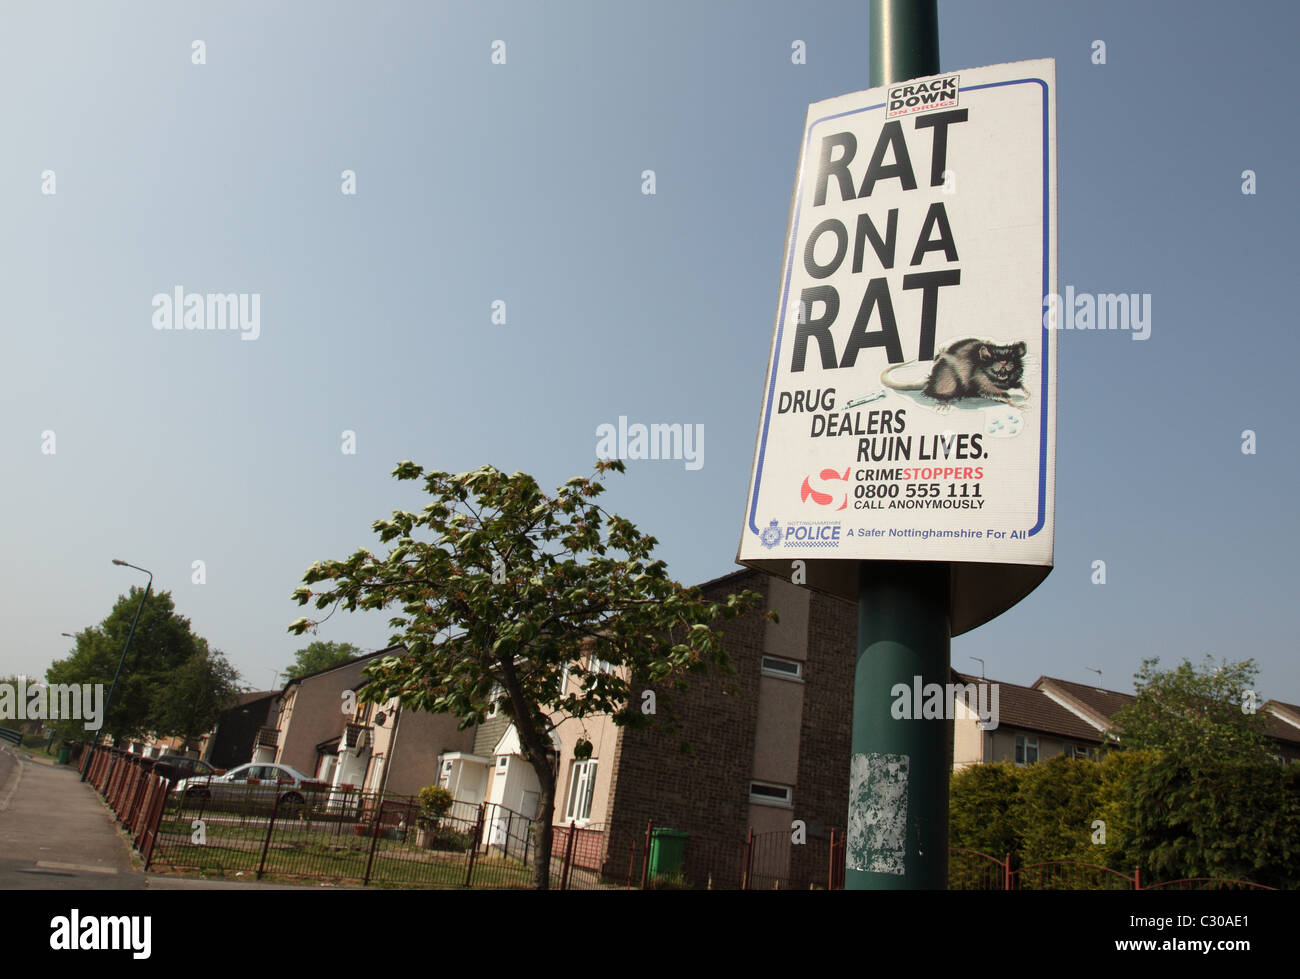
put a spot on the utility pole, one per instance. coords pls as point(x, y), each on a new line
point(898, 785)
point(144, 597)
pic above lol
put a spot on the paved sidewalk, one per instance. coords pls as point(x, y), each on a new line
point(56, 834)
point(54, 831)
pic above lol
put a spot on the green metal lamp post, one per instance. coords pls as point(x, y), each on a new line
point(898, 805)
point(113, 686)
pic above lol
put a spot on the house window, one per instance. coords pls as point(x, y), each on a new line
point(1081, 752)
point(582, 785)
point(598, 665)
point(770, 794)
point(564, 680)
point(1026, 750)
point(789, 669)
point(494, 700)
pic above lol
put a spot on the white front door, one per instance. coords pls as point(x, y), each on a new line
point(528, 804)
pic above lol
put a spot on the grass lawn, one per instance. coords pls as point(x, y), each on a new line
point(319, 854)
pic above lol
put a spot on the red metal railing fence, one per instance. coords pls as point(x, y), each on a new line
point(366, 838)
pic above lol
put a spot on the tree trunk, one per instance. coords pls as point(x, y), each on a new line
point(545, 833)
point(534, 742)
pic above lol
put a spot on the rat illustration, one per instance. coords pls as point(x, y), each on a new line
point(971, 368)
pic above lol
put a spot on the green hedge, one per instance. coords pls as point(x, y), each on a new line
point(1172, 817)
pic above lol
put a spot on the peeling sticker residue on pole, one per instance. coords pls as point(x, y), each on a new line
point(877, 834)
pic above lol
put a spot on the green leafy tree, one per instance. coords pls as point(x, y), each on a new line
point(1208, 801)
point(199, 690)
point(26, 725)
point(320, 655)
point(1194, 711)
point(1218, 817)
point(163, 643)
point(501, 586)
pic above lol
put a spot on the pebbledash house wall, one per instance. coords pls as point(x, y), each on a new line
point(420, 738)
point(312, 710)
point(772, 729)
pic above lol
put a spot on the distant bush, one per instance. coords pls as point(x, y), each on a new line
point(434, 803)
point(1172, 816)
point(670, 882)
point(1058, 804)
point(985, 809)
point(1216, 817)
point(447, 839)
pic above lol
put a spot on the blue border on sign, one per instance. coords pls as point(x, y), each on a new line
point(789, 273)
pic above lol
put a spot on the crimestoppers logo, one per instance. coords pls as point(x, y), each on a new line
point(938, 93)
point(829, 491)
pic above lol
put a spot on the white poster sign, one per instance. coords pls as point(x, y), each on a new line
point(909, 411)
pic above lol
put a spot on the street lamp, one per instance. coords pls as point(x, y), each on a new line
point(113, 686)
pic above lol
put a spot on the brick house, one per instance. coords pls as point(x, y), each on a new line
point(232, 740)
point(311, 714)
point(1032, 726)
point(407, 746)
point(1281, 721)
point(1285, 727)
point(774, 751)
point(1060, 717)
point(375, 747)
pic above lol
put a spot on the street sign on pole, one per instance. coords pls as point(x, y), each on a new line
point(910, 405)
point(906, 449)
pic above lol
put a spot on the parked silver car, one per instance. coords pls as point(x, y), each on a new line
point(254, 783)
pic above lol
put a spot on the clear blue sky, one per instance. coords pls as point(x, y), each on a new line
point(522, 182)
